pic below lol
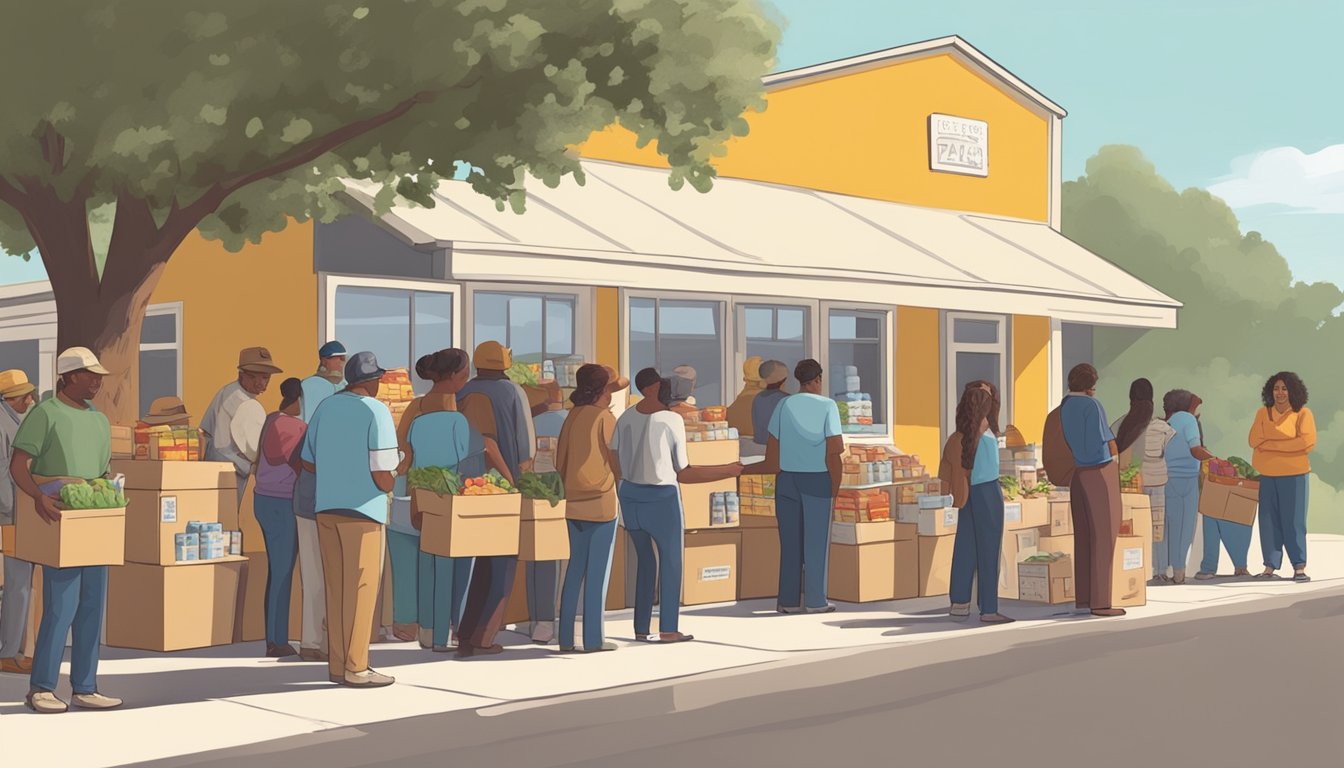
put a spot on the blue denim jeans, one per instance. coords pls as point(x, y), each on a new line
point(1157, 499)
point(653, 518)
point(441, 593)
point(1182, 515)
point(977, 546)
point(72, 598)
point(1283, 520)
point(803, 509)
point(281, 534)
point(1234, 536)
point(542, 579)
point(403, 551)
point(590, 551)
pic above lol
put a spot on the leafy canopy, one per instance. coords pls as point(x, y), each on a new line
point(267, 106)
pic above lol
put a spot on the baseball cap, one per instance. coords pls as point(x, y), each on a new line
point(79, 359)
point(331, 349)
point(362, 367)
point(14, 383)
point(493, 356)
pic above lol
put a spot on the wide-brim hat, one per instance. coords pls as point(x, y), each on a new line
point(257, 360)
point(618, 382)
point(14, 383)
point(166, 410)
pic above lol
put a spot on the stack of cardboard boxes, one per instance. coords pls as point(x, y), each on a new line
point(1046, 575)
point(935, 521)
point(713, 541)
point(159, 601)
point(759, 572)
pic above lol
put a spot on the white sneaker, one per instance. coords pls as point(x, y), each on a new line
point(368, 679)
point(426, 638)
point(95, 701)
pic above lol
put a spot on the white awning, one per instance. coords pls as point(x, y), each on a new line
point(627, 228)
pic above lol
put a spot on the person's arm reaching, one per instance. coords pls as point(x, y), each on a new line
point(404, 435)
point(771, 464)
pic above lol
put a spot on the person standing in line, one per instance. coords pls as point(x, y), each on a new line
point(326, 381)
point(805, 447)
point(739, 411)
point(995, 405)
point(1141, 437)
point(273, 501)
point(351, 447)
point(589, 470)
point(683, 390)
point(1184, 455)
point(498, 409)
point(66, 440)
point(543, 577)
point(232, 424)
point(650, 443)
point(1282, 437)
point(970, 470)
point(16, 397)
point(773, 373)
point(1094, 493)
point(434, 434)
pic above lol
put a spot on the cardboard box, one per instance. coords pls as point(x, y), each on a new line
point(469, 526)
point(938, 522)
point(905, 561)
point(173, 608)
point(710, 567)
point(1053, 544)
point(1050, 583)
point(153, 518)
point(616, 581)
point(1234, 503)
point(710, 453)
point(759, 573)
point(1035, 514)
point(905, 531)
point(250, 624)
point(760, 521)
point(695, 504)
point(81, 537)
point(1061, 516)
point(935, 565)
point(862, 573)
point(856, 534)
point(176, 475)
point(1016, 546)
point(543, 534)
point(123, 443)
point(7, 539)
point(1129, 573)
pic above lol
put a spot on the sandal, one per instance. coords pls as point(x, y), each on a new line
point(1301, 578)
point(960, 610)
point(1205, 576)
point(1266, 576)
point(995, 618)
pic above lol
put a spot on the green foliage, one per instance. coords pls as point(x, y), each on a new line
point(522, 375)
point(1244, 317)
point(168, 103)
point(440, 480)
point(545, 485)
point(98, 494)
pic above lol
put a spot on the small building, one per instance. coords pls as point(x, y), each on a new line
point(895, 213)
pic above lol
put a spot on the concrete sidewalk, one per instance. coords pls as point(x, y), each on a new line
point(191, 702)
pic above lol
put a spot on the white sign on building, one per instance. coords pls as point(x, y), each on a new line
point(958, 145)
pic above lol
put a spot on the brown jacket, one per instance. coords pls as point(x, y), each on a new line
point(956, 479)
point(1055, 452)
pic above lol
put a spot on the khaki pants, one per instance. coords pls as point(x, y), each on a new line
point(314, 633)
point(352, 565)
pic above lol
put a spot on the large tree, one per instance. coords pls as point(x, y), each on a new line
point(158, 119)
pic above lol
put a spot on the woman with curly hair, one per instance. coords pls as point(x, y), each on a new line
point(1282, 437)
point(971, 469)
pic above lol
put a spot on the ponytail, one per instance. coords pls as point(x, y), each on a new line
point(445, 362)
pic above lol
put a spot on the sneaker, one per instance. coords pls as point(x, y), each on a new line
point(368, 679)
point(995, 618)
point(280, 651)
point(543, 632)
point(603, 647)
point(313, 654)
point(790, 610)
point(94, 701)
point(426, 639)
point(1205, 576)
point(45, 703)
point(1108, 612)
point(827, 608)
point(674, 637)
point(18, 665)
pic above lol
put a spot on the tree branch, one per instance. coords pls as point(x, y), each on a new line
point(12, 195)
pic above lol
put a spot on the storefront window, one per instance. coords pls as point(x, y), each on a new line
point(536, 327)
point(666, 333)
point(776, 333)
point(976, 351)
point(396, 324)
point(160, 356)
point(857, 346)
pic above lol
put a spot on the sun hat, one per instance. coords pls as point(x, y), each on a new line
point(257, 360)
point(166, 410)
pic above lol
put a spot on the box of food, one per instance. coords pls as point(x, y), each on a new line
point(543, 534)
point(1129, 572)
point(934, 502)
point(123, 442)
point(469, 526)
point(860, 506)
point(713, 452)
point(1062, 545)
point(1234, 503)
point(1043, 578)
point(154, 518)
point(862, 573)
point(1035, 512)
point(81, 537)
point(186, 548)
point(176, 475)
point(250, 610)
point(938, 522)
point(759, 573)
point(697, 502)
point(935, 565)
point(173, 608)
point(710, 567)
point(1061, 516)
point(1016, 546)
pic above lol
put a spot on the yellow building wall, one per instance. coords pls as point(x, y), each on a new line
point(607, 327)
point(263, 296)
point(1031, 375)
point(919, 414)
point(866, 134)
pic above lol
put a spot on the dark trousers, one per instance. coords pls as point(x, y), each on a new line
point(803, 507)
point(977, 546)
point(1094, 497)
point(487, 599)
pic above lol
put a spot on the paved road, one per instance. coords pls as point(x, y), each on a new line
point(1252, 685)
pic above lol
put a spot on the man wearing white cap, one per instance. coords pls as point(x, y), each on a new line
point(16, 397)
point(232, 424)
point(60, 440)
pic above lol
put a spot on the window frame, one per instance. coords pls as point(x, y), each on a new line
point(888, 365)
point(330, 283)
point(727, 353)
point(811, 330)
point(1003, 348)
point(584, 321)
point(174, 308)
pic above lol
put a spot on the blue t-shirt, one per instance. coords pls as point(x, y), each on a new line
point(763, 410)
point(346, 427)
point(1180, 461)
point(446, 439)
point(549, 423)
point(986, 467)
point(802, 423)
point(315, 390)
point(1086, 430)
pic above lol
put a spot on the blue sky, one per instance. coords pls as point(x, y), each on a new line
point(1236, 95)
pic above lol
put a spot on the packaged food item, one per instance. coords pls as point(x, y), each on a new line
point(187, 547)
point(235, 543)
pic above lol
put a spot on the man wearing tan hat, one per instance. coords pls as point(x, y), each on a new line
point(61, 439)
point(16, 397)
point(232, 424)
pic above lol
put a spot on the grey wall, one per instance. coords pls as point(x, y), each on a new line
point(356, 245)
point(1078, 348)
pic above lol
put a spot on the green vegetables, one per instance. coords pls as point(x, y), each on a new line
point(1012, 487)
point(1129, 475)
point(1243, 467)
point(522, 375)
point(546, 485)
point(99, 494)
point(440, 480)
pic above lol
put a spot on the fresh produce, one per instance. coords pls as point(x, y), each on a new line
point(522, 375)
point(440, 480)
point(1129, 475)
point(543, 485)
point(98, 494)
point(1243, 468)
point(490, 484)
point(1041, 488)
point(1012, 487)
point(1043, 557)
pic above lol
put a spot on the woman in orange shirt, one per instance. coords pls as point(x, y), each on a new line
point(1282, 437)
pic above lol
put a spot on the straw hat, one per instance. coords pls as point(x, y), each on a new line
point(14, 383)
point(257, 360)
point(166, 410)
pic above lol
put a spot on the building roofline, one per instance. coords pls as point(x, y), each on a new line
point(951, 44)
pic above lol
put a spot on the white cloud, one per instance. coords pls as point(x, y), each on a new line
point(1286, 176)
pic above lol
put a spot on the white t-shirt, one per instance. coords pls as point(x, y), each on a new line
point(1153, 444)
point(651, 448)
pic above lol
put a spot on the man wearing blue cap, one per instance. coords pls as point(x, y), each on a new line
point(329, 379)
